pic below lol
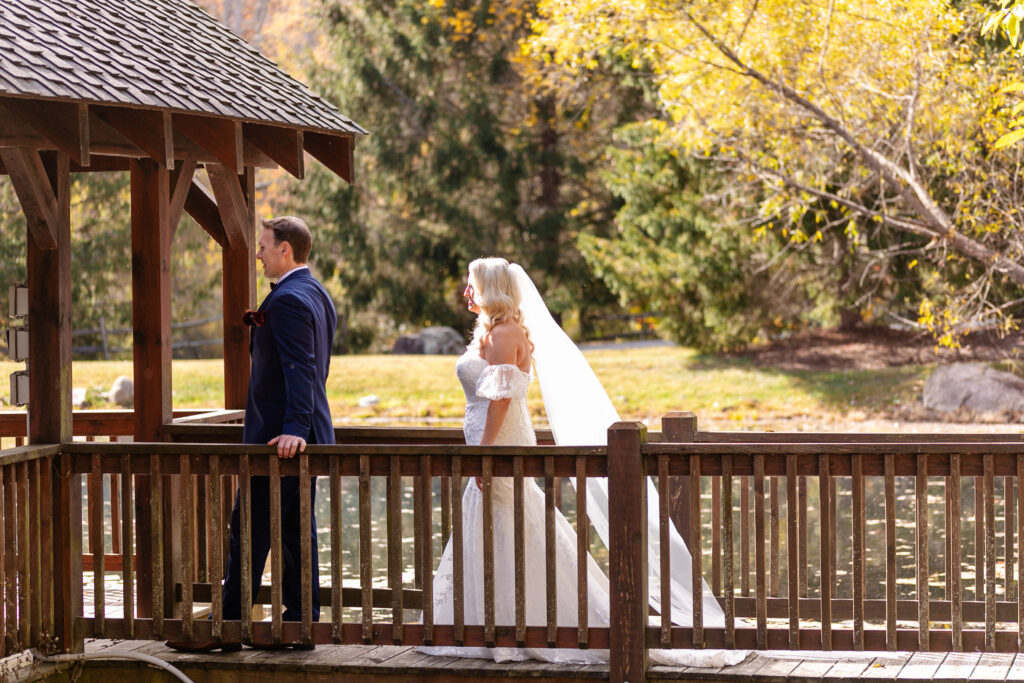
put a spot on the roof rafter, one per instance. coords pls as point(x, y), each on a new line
point(151, 131)
point(220, 137)
point(65, 124)
point(283, 145)
point(336, 152)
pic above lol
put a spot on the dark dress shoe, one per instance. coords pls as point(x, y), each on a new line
point(203, 645)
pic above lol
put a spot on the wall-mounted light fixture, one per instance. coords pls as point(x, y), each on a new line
point(17, 306)
point(19, 388)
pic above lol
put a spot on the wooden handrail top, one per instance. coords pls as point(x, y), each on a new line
point(166, 448)
point(14, 456)
point(832, 448)
point(848, 437)
point(86, 422)
point(231, 433)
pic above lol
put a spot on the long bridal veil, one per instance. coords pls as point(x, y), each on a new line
point(580, 412)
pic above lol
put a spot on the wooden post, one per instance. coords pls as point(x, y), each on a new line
point(627, 552)
point(151, 322)
point(239, 284)
point(680, 426)
point(49, 412)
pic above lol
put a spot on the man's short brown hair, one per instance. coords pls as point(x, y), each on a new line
point(293, 231)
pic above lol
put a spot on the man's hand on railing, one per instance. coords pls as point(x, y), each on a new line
point(288, 445)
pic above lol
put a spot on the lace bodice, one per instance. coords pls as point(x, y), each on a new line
point(483, 383)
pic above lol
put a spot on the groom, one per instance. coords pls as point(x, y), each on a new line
point(290, 345)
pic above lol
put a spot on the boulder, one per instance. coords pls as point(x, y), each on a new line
point(431, 341)
point(122, 392)
point(442, 341)
point(974, 388)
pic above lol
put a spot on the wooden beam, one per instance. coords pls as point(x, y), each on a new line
point(220, 137)
point(103, 164)
point(239, 287)
point(181, 184)
point(65, 124)
point(151, 131)
point(336, 152)
point(283, 145)
point(234, 210)
point(38, 201)
point(201, 207)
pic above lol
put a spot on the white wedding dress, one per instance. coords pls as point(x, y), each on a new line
point(483, 383)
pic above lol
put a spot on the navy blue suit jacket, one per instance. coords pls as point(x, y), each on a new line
point(291, 355)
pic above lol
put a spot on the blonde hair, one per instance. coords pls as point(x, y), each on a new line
point(498, 297)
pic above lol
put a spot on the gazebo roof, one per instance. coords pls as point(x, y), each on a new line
point(166, 55)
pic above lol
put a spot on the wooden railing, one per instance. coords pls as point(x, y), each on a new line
point(807, 541)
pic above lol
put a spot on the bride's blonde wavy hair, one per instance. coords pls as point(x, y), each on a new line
point(498, 297)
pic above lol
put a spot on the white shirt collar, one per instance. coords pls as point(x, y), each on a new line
point(293, 270)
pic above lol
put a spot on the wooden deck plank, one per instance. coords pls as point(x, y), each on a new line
point(812, 669)
point(841, 672)
point(1016, 672)
point(922, 666)
point(888, 666)
point(993, 666)
point(958, 666)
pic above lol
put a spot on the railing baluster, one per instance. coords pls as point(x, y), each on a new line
point(115, 515)
point(773, 526)
point(990, 553)
point(519, 549)
point(458, 575)
point(446, 510)
point(550, 551)
point(745, 535)
point(923, 592)
point(890, 551)
point(427, 547)
point(826, 532)
point(245, 543)
point(336, 549)
point(979, 540)
point(487, 465)
point(417, 552)
point(716, 536)
point(697, 551)
point(1008, 541)
point(394, 530)
point(729, 589)
point(306, 550)
point(956, 594)
point(664, 552)
point(1020, 563)
point(833, 550)
point(858, 552)
point(45, 527)
point(95, 508)
point(200, 522)
point(276, 551)
point(127, 551)
point(948, 521)
point(185, 520)
point(792, 553)
point(25, 579)
point(801, 493)
point(759, 559)
point(216, 572)
point(11, 639)
point(582, 554)
point(365, 557)
point(156, 540)
point(41, 580)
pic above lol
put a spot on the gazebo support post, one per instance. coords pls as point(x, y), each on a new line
point(49, 410)
point(239, 283)
point(151, 322)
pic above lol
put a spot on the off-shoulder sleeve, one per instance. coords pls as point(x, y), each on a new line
point(502, 381)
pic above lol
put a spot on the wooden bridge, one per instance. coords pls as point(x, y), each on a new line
point(893, 543)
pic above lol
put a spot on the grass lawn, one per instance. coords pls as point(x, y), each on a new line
point(644, 383)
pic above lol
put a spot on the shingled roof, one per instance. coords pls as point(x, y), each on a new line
point(166, 55)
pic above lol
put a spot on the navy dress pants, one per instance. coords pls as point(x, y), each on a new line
point(291, 545)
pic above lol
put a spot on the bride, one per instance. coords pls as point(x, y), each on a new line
point(514, 332)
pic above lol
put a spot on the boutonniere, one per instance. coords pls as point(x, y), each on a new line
point(254, 318)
